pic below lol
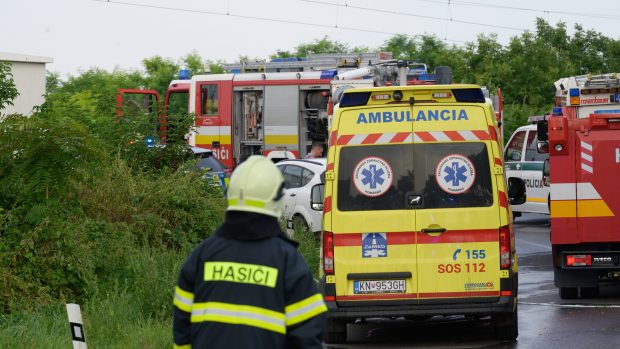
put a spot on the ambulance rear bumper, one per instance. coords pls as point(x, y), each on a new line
point(369, 309)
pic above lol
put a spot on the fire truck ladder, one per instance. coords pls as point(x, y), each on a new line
point(600, 80)
point(314, 62)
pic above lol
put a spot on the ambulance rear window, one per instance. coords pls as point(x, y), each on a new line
point(450, 175)
point(453, 175)
point(375, 177)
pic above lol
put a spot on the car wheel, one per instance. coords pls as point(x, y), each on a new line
point(568, 292)
point(335, 331)
point(506, 326)
point(299, 223)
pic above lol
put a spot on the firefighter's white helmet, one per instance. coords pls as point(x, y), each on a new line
point(256, 186)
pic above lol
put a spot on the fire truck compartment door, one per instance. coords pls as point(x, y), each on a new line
point(598, 194)
point(281, 117)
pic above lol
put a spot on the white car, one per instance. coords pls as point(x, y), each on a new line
point(299, 178)
point(523, 160)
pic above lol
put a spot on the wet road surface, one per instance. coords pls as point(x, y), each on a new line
point(545, 321)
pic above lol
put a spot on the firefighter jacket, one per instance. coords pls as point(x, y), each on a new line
point(247, 287)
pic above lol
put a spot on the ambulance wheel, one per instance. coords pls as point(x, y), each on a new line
point(506, 326)
point(335, 331)
point(568, 292)
point(589, 292)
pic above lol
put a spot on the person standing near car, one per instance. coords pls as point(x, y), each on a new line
point(248, 286)
point(316, 151)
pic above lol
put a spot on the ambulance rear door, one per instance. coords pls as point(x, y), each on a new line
point(458, 215)
point(372, 219)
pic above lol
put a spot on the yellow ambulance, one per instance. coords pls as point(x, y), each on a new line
point(417, 220)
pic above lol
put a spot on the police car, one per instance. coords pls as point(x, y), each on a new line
point(416, 215)
point(523, 160)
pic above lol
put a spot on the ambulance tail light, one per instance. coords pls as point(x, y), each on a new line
point(328, 252)
point(578, 260)
point(505, 246)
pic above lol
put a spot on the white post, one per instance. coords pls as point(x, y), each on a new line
point(77, 326)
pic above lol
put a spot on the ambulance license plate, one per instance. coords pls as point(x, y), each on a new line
point(379, 286)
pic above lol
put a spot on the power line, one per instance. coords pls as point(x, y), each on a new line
point(526, 9)
point(401, 13)
point(265, 19)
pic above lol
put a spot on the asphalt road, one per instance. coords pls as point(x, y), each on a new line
point(545, 321)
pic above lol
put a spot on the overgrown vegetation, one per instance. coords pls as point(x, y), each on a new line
point(89, 214)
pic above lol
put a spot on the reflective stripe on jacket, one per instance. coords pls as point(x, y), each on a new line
point(247, 287)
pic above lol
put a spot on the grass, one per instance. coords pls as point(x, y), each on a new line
point(134, 313)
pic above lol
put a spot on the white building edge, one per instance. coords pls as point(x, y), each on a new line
point(29, 77)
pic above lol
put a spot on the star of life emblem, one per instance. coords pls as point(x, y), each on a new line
point(455, 174)
point(372, 176)
point(374, 245)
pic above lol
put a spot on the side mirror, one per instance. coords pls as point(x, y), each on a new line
point(515, 156)
point(542, 130)
point(316, 197)
point(516, 191)
point(542, 147)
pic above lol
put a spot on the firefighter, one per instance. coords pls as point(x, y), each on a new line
point(316, 151)
point(248, 286)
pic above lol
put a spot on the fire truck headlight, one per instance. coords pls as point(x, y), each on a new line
point(558, 147)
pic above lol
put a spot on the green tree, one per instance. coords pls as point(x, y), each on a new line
point(281, 54)
point(8, 91)
point(324, 45)
point(401, 46)
point(159, 72)
point(52, 81)
point(194, 63)
point(215, 67)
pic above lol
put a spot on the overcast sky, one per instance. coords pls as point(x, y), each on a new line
point(79, 34)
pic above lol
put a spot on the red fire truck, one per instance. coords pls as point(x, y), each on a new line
point(277, 109)
point(582, 135)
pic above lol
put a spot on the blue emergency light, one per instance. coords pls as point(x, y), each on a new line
point(184, 74)
point(557, 111)
point(328, 74)
point(150, 142)
point(574, 92)
point(426, 77)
